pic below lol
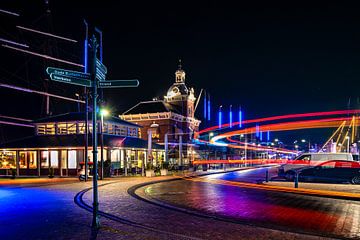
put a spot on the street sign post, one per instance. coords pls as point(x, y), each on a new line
point(118, 83)
point(94, 79)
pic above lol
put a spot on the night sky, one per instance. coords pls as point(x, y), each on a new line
point(269, 58)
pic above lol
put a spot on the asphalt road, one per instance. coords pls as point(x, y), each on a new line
point(282, 211)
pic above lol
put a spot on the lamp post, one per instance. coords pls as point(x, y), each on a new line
point(78, 103)
point(103, 112)
point(348, 144)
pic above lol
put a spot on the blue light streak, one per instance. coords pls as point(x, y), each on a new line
point(205, 106)
point(240, 118)
point(209, 109)
point(268, 136)
point(220, 118)
point(230, 118)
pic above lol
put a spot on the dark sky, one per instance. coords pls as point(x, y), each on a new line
point(269, 58)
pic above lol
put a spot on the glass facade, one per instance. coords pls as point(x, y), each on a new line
point(7, 159)
point(27, 159)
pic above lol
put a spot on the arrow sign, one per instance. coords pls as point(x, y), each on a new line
point(71, 80)
point(101, 66)
point(118, 83)
point(100, 75)
point(68, 73)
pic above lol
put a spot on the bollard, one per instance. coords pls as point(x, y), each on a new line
point(267, 175)
point(296, 179)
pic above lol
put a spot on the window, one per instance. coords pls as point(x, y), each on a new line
point(71, 128)
point(63, 159)
point(115, 155)
point(72, 159)
point(61, 128)
point(81, 127)
point(8, 159)
point(44, 159)
point(304, 158)
point(46, 129)
point(54, 159)
point(27, 159)
point(132, 132)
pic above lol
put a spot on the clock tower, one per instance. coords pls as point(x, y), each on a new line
point(179, 94)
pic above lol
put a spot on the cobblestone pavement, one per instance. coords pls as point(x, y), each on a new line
point(46, 210)
point(292, 212)
point(115, 200)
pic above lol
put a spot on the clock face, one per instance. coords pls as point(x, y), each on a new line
point(175, 90)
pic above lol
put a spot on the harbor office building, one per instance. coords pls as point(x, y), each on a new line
point(59, 143)
point(170, 121)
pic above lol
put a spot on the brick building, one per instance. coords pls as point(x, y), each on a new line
point(170, 121)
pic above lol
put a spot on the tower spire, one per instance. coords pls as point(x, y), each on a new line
point(180, 74)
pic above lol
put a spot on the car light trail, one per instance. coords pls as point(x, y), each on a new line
point(281, 117)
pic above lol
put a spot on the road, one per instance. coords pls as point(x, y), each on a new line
point(282, 211)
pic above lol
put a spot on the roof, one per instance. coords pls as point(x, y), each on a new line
point(152, 107)
point(80, 116)
point(55, 141)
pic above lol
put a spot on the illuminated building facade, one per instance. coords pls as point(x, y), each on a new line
point(59, 143)
point(169, 121)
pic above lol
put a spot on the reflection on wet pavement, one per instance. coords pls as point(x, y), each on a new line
point(276, 210)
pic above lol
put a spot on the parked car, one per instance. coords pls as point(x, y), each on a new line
point(311, 159)
point(329, 171)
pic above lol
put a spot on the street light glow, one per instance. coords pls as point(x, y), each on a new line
point(104, 112)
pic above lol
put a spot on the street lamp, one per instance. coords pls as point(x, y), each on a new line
point(103, 112)
point(78, 103)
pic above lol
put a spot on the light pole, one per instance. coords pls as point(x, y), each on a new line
point(78, 103)
point(348, 144)
point(103, 112)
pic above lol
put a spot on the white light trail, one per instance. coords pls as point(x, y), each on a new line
point(43, 56)
point(16, 124)
point(47, 34)
point(10, 13)
point(12, 42)
point(39, 92)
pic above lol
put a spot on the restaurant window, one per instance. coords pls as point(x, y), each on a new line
point(54, 159)
point(72, 159)
point(44, 159)
point(115, 155)
point(63, 159)
point(27, 159)
point(8, 159)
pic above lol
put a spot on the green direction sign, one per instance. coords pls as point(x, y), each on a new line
point(101, 66)
point(68, 73)
point(118, 83)
point(71, 80)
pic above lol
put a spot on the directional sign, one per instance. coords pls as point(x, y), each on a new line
point(71, 80)
point(101, 66)
point(68, 73)
point(100, 75)
point(118, 83)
